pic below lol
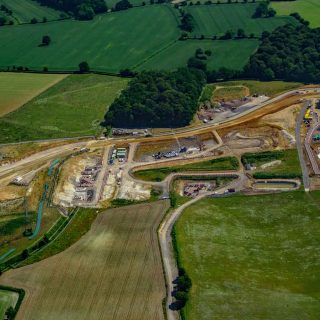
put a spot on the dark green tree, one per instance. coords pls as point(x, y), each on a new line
point(84, 67)
point(46, 40)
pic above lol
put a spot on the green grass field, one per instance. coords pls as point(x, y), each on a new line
point(73, 107)
point(217, 19)
point(252, 257)
point(25, 10)
point(177, 54)
point(18, 88)
point(110, 42)
point(7, 299)
point(159, 174)
point(270, 88)
point(289, 167)
point(308, 9)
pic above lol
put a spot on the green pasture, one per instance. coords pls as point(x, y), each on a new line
point(289, 167)
point(7, 299)
point(25, 10)
point(159, 174)
point(73, 107)
point(177, 54)
point(252, 257)
point(213, 20)
point(109, 42)
point(308, 9)
point(269, 88)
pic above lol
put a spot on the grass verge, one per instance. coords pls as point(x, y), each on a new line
point(288, 168)
point(78, 227)
point(159, 174)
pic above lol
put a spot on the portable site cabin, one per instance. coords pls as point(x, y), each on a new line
point(121, 153)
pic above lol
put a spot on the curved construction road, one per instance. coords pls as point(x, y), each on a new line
point(304, 168)
point(165, 240)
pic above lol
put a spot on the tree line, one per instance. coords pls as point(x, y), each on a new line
point(158, 99)
point(81, 9)
point(289, 53)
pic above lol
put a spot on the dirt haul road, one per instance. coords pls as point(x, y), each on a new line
point(114, 272)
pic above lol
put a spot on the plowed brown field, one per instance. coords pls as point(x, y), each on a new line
point(113, 272)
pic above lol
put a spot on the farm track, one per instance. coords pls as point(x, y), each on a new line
point(113, 272)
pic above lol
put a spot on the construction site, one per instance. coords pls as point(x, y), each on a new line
point(96, 172)
point(172, 148)
point(193, 188)
point(253, 146)
point(101, 172)
point(221, 109)
point(312, 139)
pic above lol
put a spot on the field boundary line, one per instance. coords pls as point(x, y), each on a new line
point(36, 94)
point(170, 44)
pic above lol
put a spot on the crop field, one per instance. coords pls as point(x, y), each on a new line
point(73, 107)
point(177, 54)
point(159, 174)
point(308, 9)
point(7, 299)
point(217, 19)
point(25, 10)
point(252, 257)
point(18, 88)
point(79, 226)
point(109, 42)
point(113, 272)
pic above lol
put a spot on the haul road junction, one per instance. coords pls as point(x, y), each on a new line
point(92, 173)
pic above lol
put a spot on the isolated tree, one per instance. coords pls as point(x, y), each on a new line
point(34, 21)
point(241, 33)
point(84, 67)
point(46, 40)
point(199, 51)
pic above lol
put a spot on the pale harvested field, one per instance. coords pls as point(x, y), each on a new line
point(16, 89)
point(113, 272)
